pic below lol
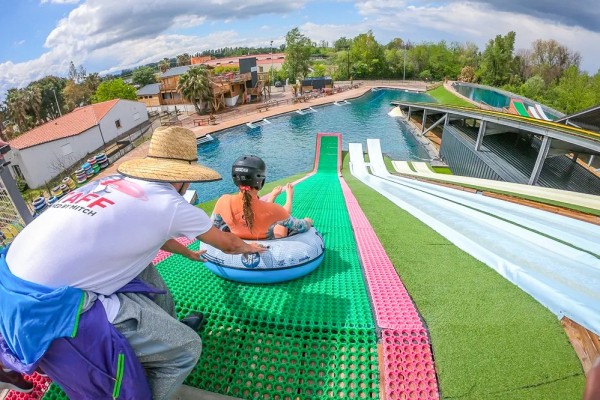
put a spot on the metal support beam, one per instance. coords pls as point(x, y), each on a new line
point(575, 157)
point(15, 196)
point(539, 162)
point(591, 160)
point(424, 121)
point(480, 135)
point(439, 121)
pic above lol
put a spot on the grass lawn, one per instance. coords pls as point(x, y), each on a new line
point(443, 96)
point(490, 339)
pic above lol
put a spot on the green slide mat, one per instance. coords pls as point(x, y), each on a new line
point(313, 337)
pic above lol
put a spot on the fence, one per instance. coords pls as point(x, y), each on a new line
point(11, 222)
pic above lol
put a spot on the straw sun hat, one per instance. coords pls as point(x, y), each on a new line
point(171, 158)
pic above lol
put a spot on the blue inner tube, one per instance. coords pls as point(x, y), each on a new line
point(286, 259)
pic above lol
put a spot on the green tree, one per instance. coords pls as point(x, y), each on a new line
point(53, 103)
point(17, 107)
point(114, 89)
point(497, 60)
point(342, 43)
point(298, 49)
point(550, 59)
point(143, 76)
point(574, 92)
point(33, 96)
point(196, 87)
point(183, 59)
point(318, 70)
point(77, 75)
point(367, 56)
point(164, 64)
point(469, 55)
point(76, 95)
point(534, 88)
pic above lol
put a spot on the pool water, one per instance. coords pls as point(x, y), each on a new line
point(497, 98)
point(287, 145)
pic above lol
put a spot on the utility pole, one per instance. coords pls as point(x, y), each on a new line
point(404, 72)
point(348, 54)
point(271, 83)
point(55, 99)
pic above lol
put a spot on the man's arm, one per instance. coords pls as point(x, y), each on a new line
point(229, 243)
point(173, 246)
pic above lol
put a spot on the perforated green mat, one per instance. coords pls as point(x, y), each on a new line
point(313, 337)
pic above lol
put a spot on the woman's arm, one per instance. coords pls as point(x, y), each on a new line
point(273, 195)
point(289, 197)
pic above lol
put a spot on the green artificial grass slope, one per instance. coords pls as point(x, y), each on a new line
point(490, 339)
point(443, 96)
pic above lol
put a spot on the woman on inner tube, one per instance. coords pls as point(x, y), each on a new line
point(248, 217)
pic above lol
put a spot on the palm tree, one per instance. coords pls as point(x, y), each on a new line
point(16, 103)
point(195, 86)
point(164, 64)
point(183, 59)
point(33, 95)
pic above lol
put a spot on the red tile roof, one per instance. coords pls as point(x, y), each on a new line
point(71, 124)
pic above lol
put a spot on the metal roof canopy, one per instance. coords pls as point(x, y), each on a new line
point(564, 137)
point(556, 139)
point(586, 119)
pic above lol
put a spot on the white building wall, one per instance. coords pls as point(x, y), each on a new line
point(128, 113)
point(40, 164)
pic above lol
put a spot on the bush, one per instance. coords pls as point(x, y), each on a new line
point(21, 184)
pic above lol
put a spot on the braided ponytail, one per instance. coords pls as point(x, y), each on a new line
point(248, 213)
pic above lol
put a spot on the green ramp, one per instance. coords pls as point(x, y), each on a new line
point(313, 337)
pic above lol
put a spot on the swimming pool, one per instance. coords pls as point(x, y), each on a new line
point(497, 98)
point(288, 144)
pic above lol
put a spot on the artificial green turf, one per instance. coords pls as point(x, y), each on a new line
point(490, 339)
point(443, 96)
point(439, 170)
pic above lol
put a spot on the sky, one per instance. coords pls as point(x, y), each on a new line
point(41, 37)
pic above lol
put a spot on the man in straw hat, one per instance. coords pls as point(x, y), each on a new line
point(79, 296)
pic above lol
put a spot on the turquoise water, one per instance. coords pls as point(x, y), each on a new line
point(481, 95)
point(496, 98)
point(288, 144)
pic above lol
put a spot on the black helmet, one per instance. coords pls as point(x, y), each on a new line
point(249, 171)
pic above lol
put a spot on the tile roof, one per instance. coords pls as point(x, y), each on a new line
point(71, 124)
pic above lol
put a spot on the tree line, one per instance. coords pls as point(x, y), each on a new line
point(547, 72)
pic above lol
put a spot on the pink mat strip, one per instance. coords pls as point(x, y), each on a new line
point(162, 255)
point(408, 362)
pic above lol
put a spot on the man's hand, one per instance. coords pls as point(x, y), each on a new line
point(195, 255)
point(310, 221)
point(255, 248)
point(173, 246)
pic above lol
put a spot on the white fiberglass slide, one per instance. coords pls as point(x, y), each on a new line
point(564, 196)
point(541, 112)
point(553, 258)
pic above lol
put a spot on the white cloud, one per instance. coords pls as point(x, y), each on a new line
point(475, 22)
point(129, 33)
point(19, 43)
